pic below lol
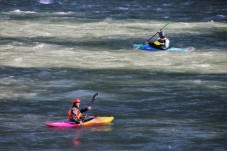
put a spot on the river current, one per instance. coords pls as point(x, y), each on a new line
point(52, 51)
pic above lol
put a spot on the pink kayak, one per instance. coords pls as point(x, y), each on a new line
point(97, 121)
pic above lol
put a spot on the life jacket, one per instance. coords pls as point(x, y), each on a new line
point(157, 43)
point(163, 45)
point(75, 114)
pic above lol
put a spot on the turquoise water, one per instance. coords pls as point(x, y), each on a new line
point(52, 51)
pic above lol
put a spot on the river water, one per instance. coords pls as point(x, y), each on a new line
point(52, 51)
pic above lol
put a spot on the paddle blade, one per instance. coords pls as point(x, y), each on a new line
point(93, 98)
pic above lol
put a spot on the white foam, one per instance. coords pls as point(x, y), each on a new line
point(18, 59)
point(18, 11)
point(46, 1)
point(197, 81)
point(168, 4)
point(221, 16)
point(122, 8)
point(90, 46)
point(64, 13)
point(39, 46)
point(204, 65)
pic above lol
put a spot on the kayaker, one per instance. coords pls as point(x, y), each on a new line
point(162, 43)
point(75, 114)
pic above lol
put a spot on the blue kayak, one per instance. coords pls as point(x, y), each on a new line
point(149, 48)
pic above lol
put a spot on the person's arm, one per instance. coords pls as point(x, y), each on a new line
point(161, 41)
point(85, 109)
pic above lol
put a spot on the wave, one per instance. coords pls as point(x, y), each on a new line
point(18, 11)
point(64, 13)
point(46, 1)
point(122, 8)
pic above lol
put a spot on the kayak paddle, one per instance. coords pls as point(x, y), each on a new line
point(157, 32)
point(93, 99)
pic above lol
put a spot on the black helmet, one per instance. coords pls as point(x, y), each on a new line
point(161, 34)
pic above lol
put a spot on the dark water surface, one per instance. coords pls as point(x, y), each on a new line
point(52, 51)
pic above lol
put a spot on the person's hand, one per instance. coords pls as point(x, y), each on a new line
point(146, 42)
point(89, 107)
point(81, 123)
